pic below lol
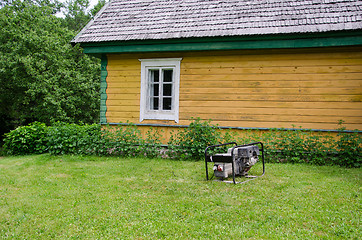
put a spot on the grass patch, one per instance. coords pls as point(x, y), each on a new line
point(44, 197)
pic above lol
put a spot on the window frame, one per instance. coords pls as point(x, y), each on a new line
point(153, 64)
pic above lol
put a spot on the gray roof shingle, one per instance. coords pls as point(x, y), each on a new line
point(124, 20)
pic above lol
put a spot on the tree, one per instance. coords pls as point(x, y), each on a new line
point(97, 7)
point(77, 15)
point(42, 77)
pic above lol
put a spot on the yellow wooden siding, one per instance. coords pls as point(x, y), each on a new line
point(311, 88)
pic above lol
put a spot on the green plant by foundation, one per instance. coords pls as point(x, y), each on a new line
point(190, 142)
point(281, 145)
point(349, 148)
point(70, 138)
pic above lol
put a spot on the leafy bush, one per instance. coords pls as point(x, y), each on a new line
point(30, 139)
point(122, 140)
point(281, 145)
point(307, 146)
point(152, 146)
point(69, 138)
point(349, 148)
point(190, 142)
point(296, 146)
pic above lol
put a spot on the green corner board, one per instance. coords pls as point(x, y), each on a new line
point(352, 38)
point(103, 88)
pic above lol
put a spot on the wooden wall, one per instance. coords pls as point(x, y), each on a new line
point(311, 88)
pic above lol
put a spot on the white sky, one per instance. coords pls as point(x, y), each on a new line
point(92, 3)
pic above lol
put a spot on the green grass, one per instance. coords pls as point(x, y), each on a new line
point(61, 197)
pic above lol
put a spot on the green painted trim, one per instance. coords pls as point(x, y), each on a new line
point(103, 88)
point(352, 38)
point(230, 39)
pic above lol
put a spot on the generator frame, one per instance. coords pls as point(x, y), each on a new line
point(231, 158)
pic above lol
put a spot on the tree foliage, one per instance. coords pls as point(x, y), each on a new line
point(75, 14)
point(42, 76)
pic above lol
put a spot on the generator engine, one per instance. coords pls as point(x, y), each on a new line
point(244, 158)
point(237, 161)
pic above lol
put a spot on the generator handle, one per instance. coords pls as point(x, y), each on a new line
point(206, 156)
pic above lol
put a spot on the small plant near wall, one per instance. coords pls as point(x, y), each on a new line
point(296, 145)
point(152, 144)
point(122, 140)
point(190, 142)
point(349, 149)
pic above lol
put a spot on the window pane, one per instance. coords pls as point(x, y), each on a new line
point(154, 90)
point(167, 90)
point(155, 75)
point(167, 75)
point(167, 103)
point(154, 103)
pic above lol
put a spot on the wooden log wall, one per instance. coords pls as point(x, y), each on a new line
point(308, 88)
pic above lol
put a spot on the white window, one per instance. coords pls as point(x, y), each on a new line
point(160, 81)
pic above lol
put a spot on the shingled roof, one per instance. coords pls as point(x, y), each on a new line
point(124, 20)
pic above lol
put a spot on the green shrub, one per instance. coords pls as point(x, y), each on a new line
point(122, 140)
point(152, 146)
point(190, 142)
point(281, 145)
point(307, 146)
point(30, 139)
point(70, 138)
point(296, 146)
point(349, 148)
point(89, 139)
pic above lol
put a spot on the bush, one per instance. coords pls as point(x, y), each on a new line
point(70, 138)
point(190, 142)
point(349, 148)
point(122, 140)
point(297, 146)
point(152, 146)
point(30, 139)
point(307, 146)
point(281, 145)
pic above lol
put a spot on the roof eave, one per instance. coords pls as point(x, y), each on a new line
point(277, 41)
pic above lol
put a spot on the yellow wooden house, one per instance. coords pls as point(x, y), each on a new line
point(243, 64)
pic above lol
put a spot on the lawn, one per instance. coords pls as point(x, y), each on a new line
point(61, 197)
